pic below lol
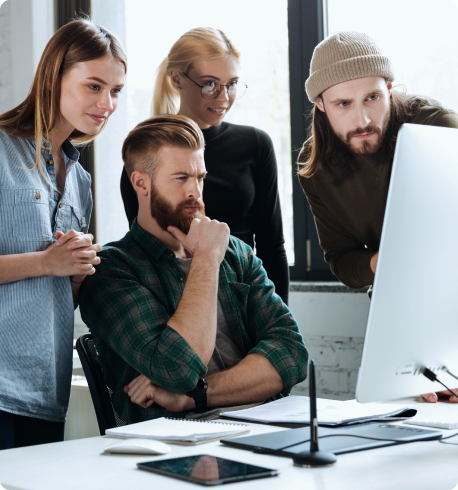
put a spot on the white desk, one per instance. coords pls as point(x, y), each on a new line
point(79, 464)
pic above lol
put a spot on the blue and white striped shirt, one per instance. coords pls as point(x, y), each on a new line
point(36, 314)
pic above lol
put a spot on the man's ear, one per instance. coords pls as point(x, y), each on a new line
point(175, 78)
point(141, 183)
point(389, 86)
point(319, 104)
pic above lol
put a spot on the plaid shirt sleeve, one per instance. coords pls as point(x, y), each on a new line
point(133, 323)
point(272, 326)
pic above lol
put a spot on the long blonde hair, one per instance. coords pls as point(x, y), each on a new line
point(202, 43)
point(78, 41)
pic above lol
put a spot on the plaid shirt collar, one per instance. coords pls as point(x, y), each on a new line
point(150, 244)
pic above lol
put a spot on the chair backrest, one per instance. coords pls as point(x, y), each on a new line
point(107, 417)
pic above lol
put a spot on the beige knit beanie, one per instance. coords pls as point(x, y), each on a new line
point(345, 56)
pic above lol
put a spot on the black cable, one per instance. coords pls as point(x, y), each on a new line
point(360, 437)
point(451, 374)
point(432, 377)
point(448, 437)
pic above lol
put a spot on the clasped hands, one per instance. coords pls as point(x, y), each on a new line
point(73, 254)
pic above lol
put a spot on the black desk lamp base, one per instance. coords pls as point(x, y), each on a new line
point(315, 458)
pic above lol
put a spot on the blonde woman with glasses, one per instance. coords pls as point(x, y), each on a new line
point(200, 79)
point(45, 208)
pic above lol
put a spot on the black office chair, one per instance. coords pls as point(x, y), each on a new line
point(100, 392)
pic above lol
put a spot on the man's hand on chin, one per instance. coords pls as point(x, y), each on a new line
point(433, 397)
point(144, 392)
point(206, 237)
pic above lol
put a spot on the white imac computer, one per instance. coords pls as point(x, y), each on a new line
point(413, 317)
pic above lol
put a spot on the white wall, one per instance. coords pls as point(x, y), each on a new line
point(6, 69)
point(111, 221)
point(333, 326)
point(25, 28)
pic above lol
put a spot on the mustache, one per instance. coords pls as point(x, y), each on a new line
point(191, 203)
point(371, 128)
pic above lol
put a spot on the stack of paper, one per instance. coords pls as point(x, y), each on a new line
point(296, 410)
point(179, 431)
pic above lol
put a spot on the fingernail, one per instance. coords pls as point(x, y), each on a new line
point(431, 398)
point(71, 247)
point(75, 254)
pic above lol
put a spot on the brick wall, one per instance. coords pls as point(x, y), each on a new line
point(6, 89)
point(337, 361)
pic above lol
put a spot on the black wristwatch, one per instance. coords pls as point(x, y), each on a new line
point(199, 394)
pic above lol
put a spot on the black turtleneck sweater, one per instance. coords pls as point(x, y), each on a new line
point(240, 190)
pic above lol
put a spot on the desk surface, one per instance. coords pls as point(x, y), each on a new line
point(80, 464)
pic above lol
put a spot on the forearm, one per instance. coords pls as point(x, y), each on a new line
point(195, 317)
point(16, 267)
point(76, 282)
point(253, 379)
point(352, 267)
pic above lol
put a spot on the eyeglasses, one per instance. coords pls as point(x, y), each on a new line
point(211, 89)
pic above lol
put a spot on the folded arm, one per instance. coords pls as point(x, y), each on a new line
point(253, 379)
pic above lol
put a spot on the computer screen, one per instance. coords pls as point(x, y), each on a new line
point(413, 316)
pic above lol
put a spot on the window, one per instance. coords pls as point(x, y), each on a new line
point(259, 30)
point(419, 37)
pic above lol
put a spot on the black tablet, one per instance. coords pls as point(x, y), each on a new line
point(207, 470)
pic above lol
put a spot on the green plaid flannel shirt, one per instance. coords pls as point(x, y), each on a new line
point(136, 289)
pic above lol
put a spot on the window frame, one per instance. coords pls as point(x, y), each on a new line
point(307, 26)
point(64, 12)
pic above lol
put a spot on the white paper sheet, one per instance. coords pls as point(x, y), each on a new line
point(296, 410)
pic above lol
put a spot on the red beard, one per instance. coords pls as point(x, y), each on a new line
point(167, 215)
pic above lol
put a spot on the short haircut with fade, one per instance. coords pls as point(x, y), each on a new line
point(141, 148)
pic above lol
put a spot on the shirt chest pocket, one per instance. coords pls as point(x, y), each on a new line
point(31, 216)
point(77, 220)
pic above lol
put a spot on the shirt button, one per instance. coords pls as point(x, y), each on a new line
point(60, 205)
point(81, 222)
point(46, 145)
point(171, 255)
point(50, 162)
point(37, 196)
point(181, 279)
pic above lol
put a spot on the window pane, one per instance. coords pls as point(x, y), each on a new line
point(260, 33)
point(419, 36)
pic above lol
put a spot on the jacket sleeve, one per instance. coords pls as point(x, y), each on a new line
point(272, 327)
point(348, 257)
point(133, 323)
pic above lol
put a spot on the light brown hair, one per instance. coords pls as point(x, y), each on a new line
point(141, 147)
point(324, 149)
point(202, 43)
point(78, 41)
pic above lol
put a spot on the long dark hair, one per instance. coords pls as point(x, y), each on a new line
point(324, 149)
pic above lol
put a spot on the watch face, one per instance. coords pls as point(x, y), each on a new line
point(201, 387)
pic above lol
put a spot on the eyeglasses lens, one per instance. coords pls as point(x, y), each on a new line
point(234, 90)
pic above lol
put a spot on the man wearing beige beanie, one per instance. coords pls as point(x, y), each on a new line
point(345, 164)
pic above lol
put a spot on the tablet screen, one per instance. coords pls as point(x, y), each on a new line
point(206, 468)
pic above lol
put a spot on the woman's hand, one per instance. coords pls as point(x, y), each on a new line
point(72, 255)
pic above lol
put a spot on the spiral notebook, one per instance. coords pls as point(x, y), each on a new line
point(179, 431)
